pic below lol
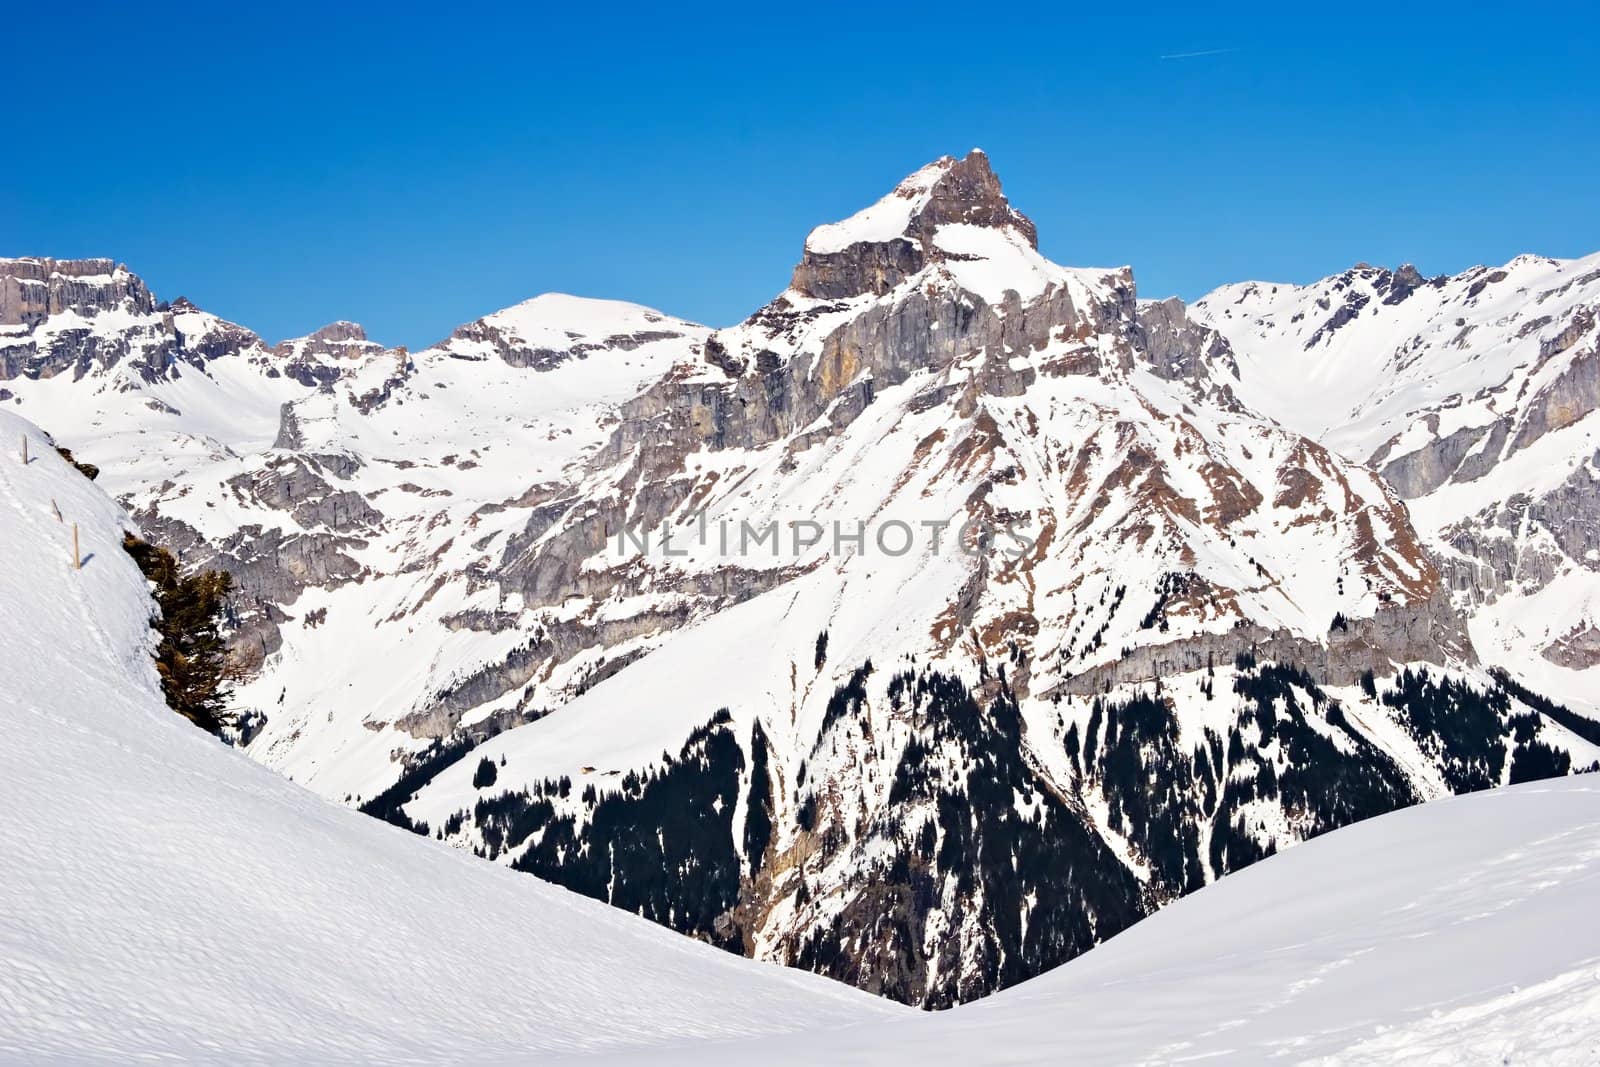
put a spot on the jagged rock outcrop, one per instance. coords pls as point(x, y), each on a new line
point(1176, 346)
point(879, 248)
point(1443, 459)
point(1562, 402)
point(296, 485)
point(316, 360)
point(345, 340)
point(1578, 649)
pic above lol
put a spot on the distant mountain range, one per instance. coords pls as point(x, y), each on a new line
point(947, 616)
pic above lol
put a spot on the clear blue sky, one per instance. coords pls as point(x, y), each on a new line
point(415, 167)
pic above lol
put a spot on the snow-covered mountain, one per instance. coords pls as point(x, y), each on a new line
point(163, 897)
point(942, 619)
point(1475, 397)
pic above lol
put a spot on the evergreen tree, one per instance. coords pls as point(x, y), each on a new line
point(485, 775)
point(192, 658)
point(758, 810)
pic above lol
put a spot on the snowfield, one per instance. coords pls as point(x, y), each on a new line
point(163, 897)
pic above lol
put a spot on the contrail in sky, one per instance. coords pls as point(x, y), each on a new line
point(1196, 55)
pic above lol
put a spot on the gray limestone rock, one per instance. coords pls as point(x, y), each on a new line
point(967, 192)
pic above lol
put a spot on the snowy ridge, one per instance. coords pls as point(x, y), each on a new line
point(555, 326)
point(884, 220)
point(1361, 358)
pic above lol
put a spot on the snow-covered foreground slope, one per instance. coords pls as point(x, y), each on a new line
point(1455, 932)
point(164, 896)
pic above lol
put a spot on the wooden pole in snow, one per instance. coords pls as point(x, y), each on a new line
point(24, 450)
point(77, 562)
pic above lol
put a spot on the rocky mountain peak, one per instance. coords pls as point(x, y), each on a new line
point(34, 288)
point(875, 249)
point(339, 331)
point(337, 340)
point(968, 192)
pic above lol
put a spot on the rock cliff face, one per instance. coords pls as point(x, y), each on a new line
point(1177, 346)
point(48, 312)
point(934, 623)
point(32, 290)
point(1429, 632)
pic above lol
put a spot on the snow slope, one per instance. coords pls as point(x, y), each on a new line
point(164, 896)
point(1454, 932)
point(1356, 359)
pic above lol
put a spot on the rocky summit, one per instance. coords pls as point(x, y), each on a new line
point(943, 618)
